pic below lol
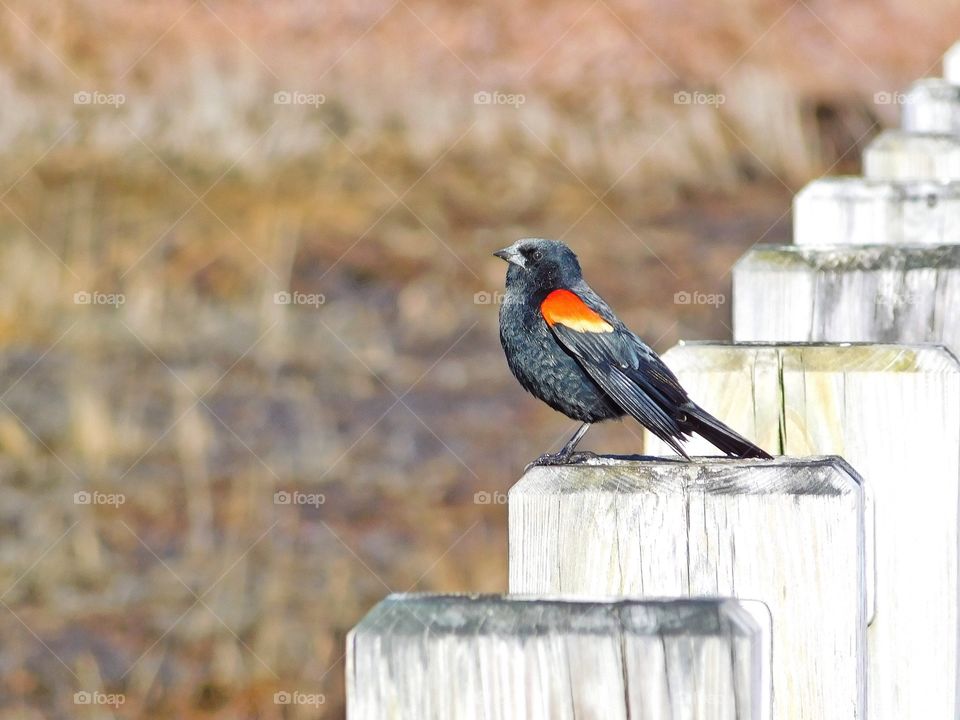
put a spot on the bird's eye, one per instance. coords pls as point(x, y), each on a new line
point(538, 255)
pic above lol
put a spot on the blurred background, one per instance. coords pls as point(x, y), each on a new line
point(251, 378)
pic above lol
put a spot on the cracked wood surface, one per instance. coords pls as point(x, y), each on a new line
point(787, 532)
point(893, 412)
point(905, 155)
point(860, 211)
point(489, 657)
point(879, 294)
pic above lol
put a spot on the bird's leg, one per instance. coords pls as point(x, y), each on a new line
point(566, 454)
point(567, 450)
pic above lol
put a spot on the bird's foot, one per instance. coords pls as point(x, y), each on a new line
point(549, 459)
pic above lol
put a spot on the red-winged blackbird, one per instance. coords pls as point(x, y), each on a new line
point(566, 347)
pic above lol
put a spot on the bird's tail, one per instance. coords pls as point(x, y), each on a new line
point(714, 431)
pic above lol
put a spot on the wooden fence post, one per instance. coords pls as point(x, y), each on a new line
point(891, 293)
point(435, 657)
point(893, 412)
point(951, 65)
point(901, 155)
point(858, 211)
point(932, 105)
point(787, 532)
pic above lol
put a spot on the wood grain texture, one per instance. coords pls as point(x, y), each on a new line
point(848, 294)
point(787, 532)
point(487, 657)
point(858, 211)
point(951, 65)
point(893, 412)
point(902, 155)
point(932, 105)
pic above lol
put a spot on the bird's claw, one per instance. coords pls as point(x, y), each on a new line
point(550, 459)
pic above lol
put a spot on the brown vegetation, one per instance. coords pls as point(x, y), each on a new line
point(199, 198)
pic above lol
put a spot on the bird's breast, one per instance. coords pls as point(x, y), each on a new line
point(545, 369)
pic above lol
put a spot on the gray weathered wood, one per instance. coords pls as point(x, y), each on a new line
point(456, 657)
point(951, 64)
point(901, 155)
point(787, 532)
point(857, 294)
point(858, 211)
point(932, 105)
point(893, 412)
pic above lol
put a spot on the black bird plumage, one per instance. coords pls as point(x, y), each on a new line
point(568, 348)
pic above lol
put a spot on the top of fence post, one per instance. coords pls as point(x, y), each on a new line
point(951, 65)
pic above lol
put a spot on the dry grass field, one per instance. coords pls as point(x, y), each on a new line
point(250, 379)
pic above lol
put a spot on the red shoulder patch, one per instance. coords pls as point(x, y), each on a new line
point(565, 308)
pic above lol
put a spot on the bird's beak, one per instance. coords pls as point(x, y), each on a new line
point(511, 255)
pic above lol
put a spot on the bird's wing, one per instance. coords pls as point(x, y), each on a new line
point(628, 370)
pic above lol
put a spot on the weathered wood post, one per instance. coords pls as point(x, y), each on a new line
point(858, 211)
point(951, 65)
point(434, 657)
point(903, 155)
point(889, 293)
point(787, 532)
point(932, 105)
point(893, 412)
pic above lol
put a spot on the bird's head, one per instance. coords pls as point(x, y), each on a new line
point(540, 264)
